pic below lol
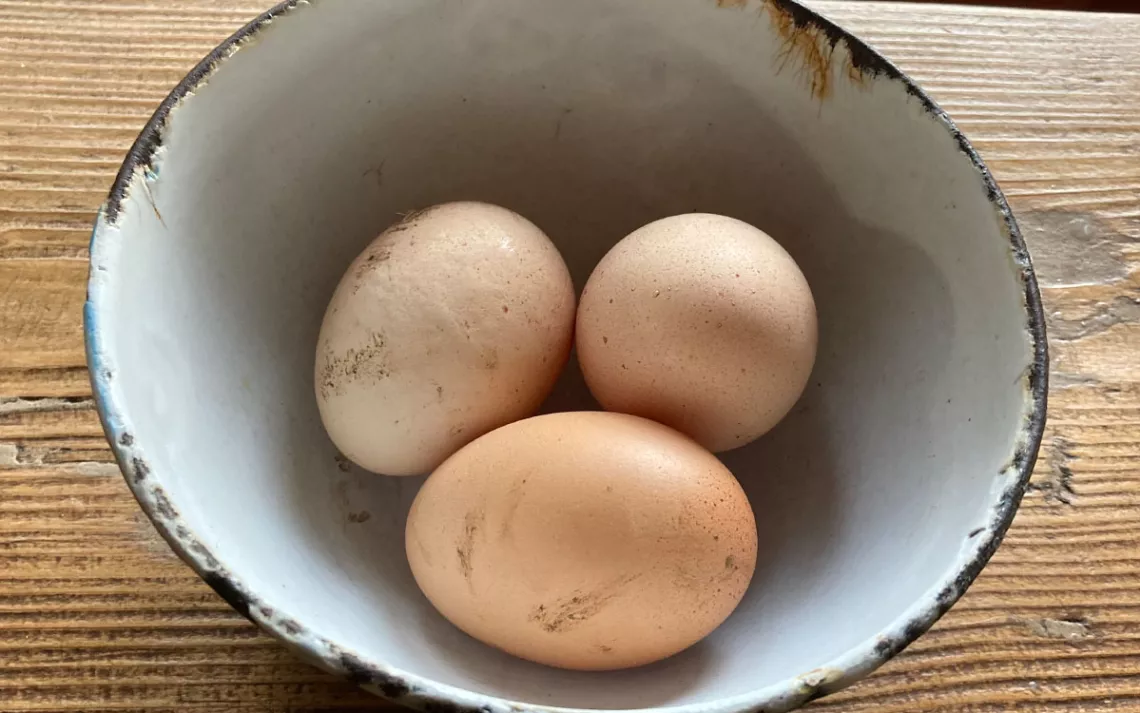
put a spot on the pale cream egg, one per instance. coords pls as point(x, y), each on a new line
point(454, 321)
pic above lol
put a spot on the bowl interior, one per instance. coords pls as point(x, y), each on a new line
point(591, 118)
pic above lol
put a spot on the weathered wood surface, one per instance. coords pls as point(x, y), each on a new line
point(95, 613)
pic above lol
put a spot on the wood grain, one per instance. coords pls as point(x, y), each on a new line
point(96, 614)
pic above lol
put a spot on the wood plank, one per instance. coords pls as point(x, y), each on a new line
point(96, 614)
point(41, 304)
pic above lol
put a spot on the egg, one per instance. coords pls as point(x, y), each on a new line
point(453, 322)
point(701, 322)
point(583, 540)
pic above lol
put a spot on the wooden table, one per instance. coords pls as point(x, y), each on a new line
point(96, 613)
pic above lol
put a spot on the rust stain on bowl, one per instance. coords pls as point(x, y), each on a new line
point(805, 48)
point(808, 46)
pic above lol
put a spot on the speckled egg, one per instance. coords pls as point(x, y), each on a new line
point(454, 321)
point(583, 540)
point(701, 322)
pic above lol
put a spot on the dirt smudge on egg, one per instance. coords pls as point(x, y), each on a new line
point(491, 359)
point(366, 362)
point(569, 612)
point(465, 548)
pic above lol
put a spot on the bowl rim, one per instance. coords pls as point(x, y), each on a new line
point(426, 694)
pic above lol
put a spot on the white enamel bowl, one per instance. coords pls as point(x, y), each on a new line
point(878, 499)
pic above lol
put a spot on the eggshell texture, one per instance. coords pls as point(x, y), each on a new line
point(451, 323)
point(583, 540)
point(701, 322)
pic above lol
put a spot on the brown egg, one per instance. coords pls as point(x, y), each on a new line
point(453, 322)
point(583, 540)
point(701, 322)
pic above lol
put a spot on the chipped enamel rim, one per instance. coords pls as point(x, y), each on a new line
point(418, 692)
